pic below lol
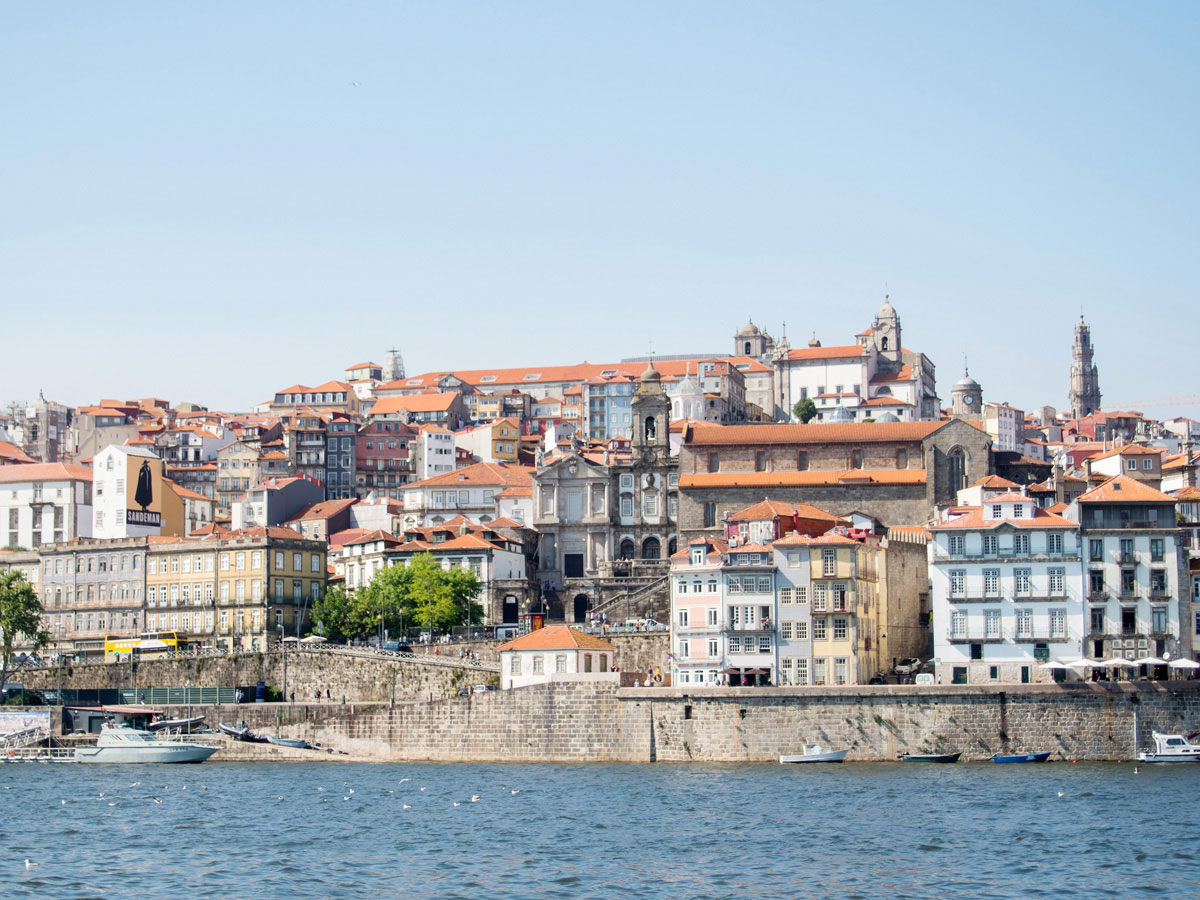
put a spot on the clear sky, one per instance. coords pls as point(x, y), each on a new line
point(199, 204)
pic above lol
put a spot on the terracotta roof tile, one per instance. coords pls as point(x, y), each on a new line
point(14, 473)
point(557, 637)
point(864, 432)
point(802, 479)
point(1123, 489)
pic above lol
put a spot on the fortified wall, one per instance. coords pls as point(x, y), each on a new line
point(599, 722)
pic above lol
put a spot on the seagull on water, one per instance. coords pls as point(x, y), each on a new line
point(63, 802)
point(1062, 793)
point(422, 788)
point(135, 784)
point(31, 865)
point(114, 803)
point(401, 781)
point(474, 798)
point(352, 790)
point(156, 800)
point(456, 803)
point(515, 792)
point(406, 806)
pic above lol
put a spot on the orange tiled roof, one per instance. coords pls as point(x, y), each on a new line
point(796, 540)
point(1187, 494)
point(770, 509)
point(1042, 518)
point(181, 491)
point(10, 453)
point(1123, 489)
point(802, 479)
point(373, 536)
point(14, 473)
point(1131, 450)
point(323, 510)
point(863, 432)
point(480, 473)
point(557, 637)
point(415, 403)
point(995, 481)
point(843, 352)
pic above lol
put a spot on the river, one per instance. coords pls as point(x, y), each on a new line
point(348, 830)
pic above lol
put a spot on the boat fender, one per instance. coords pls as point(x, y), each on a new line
point(11, 752)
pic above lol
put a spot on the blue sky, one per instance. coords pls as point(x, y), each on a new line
point(197, 203)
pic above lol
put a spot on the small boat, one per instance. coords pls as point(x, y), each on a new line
point(1169, 748)
point(122, 743)
point(930, 757)
point(1021, 757)
point(289, 742)
point(242, 732)
point(815, 753)
point(191, 724)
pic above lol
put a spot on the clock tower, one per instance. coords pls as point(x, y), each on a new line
point(967, 397)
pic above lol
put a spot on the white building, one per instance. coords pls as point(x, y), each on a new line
point(128, 492)
point(43, 503)
point(1006, 592)
point(1136, 581)
point(556, 653)
point(432, 452)
point(470, 491)
point(1006, 425)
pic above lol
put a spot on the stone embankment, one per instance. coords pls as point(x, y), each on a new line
point(592, 721)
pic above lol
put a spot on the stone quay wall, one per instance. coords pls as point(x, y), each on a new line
point(581, 721)
point(347, 675)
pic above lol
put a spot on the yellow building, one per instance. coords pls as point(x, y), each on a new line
point(843, 586)
point(234, 589)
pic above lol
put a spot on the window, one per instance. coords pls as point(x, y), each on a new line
point(1128, 581)
point(1131, 464)
point(1018, 510)
point(1057, 581)
point(1096, 550)
point(710, 513)
point(801, 631)
point(1097, 620)
point(820, 594)
point(997, 511)
point(1156, 548)
point(991, 545)
point(627, 506)
point(839, 670)
point(1058, 623)
point(683, 618)
point(901, 458)
point(856, 459)
point(785, 596)
point(1024, 623)
point(828, 562)
point(560, 663)
point(764, 644)
point(958, 582)
point(840, 628)
point(820, 629)
point(819, 671)
point(991, 623)
point(1054, 544)
point(1020, 543)
point(802, 461)
point(538, 662)
point(957, 545)
point(785, 630)
point(1022, 581)
point(958, 623)
point(760, 460)
point(991, 582)
point(712, 615)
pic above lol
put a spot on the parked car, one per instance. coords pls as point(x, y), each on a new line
point(907, 666)
point(404, 649)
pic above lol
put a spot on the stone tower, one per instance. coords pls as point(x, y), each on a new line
point(967, 397)
point(1085, 378)
point(393, 366)
point(651, 418)
point(886, 331)
point(750, 341)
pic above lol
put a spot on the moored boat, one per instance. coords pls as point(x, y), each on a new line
point(1170, 748)
point(815, 753)
point(930, 757)
point(289, 742)
point(242, 732)
point(1021, 757)
point(122, 743)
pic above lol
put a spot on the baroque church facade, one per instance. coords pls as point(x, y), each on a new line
point(608, 520)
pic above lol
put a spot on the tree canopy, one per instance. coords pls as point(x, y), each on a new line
point(20, 614)
point(421, 594)
point(804, 409)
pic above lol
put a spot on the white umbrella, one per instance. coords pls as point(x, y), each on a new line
point(1183, 664)
point(1053, 665)
point(1149, 661)
point(1083, 664)
point(313, 639)
point(1117, 662)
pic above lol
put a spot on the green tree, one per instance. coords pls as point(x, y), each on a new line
point(804, 409)
point(331, 613)
point(464, 588)
point(20, 614)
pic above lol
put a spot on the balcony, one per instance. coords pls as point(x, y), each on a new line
point(1010, 633)
point(1159, 592)
point(1010, 597)
point(765, 627)
point(1126, 557)
point(974, 636)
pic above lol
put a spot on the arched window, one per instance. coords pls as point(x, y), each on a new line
point(802, 461)
point(958, 469)
point(651, 548)
point(884, 342)
point(650, 428)
point(856, 459)
point(671, 547)
point(746, 352)
point(627, 549)
point(901, 458)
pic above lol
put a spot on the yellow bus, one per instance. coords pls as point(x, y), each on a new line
point(146, 645)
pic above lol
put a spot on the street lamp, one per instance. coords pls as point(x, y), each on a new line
point(283, 654)
point(188, 690)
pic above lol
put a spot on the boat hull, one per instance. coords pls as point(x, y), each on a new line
point(182, 753)
point(287, 742)
point(835, 756)
point(1021, 757)
point(930, 757)
point(1167, 758)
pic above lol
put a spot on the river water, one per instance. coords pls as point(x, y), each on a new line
point(277, 830)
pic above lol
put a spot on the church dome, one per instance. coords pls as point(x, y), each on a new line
point(840, 414)
point(966, 383)
point(887, 417)
point(887, 311)
point(651, 374)
point(749, 330)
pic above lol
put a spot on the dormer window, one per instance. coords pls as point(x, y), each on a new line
point(1018, 511)
point(697, 556)
point(997, 511)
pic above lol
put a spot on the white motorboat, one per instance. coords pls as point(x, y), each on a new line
point(122, 743)
point(815, 753)
point(1171, 748)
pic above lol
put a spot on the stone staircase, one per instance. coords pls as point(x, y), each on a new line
point(652, 600)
